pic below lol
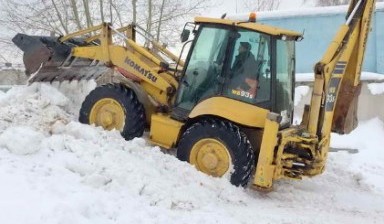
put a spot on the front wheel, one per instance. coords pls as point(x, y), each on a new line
point(218, 148)
point(113, 106)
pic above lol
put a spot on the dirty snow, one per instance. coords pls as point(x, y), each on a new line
point(56, 170)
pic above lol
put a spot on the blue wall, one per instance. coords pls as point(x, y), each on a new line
point(319, 28)
point(379, 40)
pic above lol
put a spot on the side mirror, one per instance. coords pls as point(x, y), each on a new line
point(185, 35)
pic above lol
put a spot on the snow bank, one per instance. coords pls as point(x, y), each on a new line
point(21, 140)
point(82, 174)
point(365, 76)
point(376, 88)
point(368, 163)
point(300, 92)
point(37, 106)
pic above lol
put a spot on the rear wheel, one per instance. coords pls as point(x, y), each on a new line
point(113, 106)
point(218, 148)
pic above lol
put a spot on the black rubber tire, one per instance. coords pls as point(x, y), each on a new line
point(134, 111)
point(237, 143)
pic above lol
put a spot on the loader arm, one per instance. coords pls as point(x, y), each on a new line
point(63, 59)
point(132, 62)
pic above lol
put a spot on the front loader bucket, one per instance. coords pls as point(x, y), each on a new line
point(345, 115)
point(39, 49)
point(51, 59)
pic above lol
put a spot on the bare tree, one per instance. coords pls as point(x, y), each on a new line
point(163, 2)
point(76, 16)
point(44, 17)
point(63, 23)
point(261, 5)
point(149, 20)
point(61, 16)
point(134, 11)
point(168, 14)
point(331, 2)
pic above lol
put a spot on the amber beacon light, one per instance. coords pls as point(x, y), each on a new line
point(252, 17)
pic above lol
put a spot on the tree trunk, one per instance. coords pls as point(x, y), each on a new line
point(87, 13)
point(160, 20)
point(76, 14)
point(149, 20)
point(117, 10)
point(110, 10)
point(134, 11)
point(101, 5)
point(63, 25)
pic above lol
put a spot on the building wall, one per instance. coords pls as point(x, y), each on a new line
point(319, 27)
point(380, 41)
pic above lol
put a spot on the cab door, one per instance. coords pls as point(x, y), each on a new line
point(248, 74)
point(203, 68)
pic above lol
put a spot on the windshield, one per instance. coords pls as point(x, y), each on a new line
point(202, 71)
point(285, 62)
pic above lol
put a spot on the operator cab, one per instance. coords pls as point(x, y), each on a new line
point(247, 62)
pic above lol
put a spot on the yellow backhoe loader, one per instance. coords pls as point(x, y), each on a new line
point(228, 107)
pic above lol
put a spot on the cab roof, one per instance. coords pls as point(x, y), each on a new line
point(271, 30)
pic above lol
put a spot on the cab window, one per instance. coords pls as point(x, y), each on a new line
point(249, 75)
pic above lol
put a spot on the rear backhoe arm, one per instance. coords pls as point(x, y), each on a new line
point(337, 76)
point(302, 151)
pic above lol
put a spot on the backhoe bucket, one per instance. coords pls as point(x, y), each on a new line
point(50, 60)
point(345, 115)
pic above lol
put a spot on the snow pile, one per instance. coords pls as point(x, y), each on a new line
point(300, 92)
point(369, 162)
point(38, 106)
point(376, 88)
point(15, 139)
point(56, 170)
point(371, 76)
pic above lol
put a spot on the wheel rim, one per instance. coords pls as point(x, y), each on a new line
point(210, 156)
point(108, 113)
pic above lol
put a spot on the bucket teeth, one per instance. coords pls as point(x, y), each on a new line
point(71, 74)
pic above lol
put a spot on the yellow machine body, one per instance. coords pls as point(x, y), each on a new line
point(284, 152)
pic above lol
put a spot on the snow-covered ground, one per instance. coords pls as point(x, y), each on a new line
point(376, 88)
point(56, 170)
